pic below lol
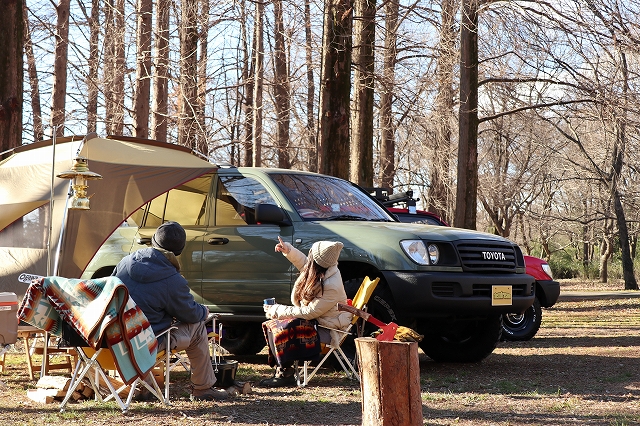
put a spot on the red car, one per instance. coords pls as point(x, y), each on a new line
point(515, 327)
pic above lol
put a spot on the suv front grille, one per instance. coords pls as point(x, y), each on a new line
point(487, 256)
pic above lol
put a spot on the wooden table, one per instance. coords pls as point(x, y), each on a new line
point(29, 334)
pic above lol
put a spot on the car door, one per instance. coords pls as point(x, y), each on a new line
point(189, 205)
point(240, 266)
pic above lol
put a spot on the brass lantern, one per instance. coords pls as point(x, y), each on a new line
point(80, 174)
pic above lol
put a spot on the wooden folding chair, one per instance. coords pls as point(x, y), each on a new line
point(360, 301)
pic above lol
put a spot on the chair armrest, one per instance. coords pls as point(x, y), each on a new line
point(173, 327)
point(335, 329)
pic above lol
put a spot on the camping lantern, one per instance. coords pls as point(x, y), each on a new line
point(80, 174)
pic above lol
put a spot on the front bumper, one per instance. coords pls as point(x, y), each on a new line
point(549, 292)
point(426, 294)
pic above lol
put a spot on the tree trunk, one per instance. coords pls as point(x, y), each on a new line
point(311, 88)
point(335, 89)
point(258, 67)
point(38, 130)
point(92, 76)
point(281, 88)
point(11, 74)
point(467, 190)
point(630, 282)
point(109, 63)
point(143, 70)
point(60, 69)
point(361, 168)
point(248, 79)
point(188, 74)
point(201, 134)
point(119, 70)
point(606, 249)
point(161, 72)
point(439, 195)
point(387, 85)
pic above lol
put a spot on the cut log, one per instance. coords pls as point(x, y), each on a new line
point(390, 382)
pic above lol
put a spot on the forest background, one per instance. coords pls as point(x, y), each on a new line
point(518, 118)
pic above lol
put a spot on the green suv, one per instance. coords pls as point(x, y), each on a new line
point(452, 285)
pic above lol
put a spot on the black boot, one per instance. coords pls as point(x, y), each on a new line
point(283, 377)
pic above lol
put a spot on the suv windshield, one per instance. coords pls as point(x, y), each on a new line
point(328, 198)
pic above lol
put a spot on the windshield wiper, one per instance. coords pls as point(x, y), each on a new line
point(347, 217)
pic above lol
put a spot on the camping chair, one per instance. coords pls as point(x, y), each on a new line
point(100, 361)
point(360, 301)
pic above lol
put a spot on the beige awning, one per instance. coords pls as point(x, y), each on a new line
point(134, 171)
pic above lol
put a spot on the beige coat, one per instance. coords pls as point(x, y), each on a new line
point(323, 308)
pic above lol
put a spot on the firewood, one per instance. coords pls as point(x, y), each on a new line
point(87, 392)
point(242, 388)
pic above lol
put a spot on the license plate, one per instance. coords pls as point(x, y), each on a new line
point(501, 295)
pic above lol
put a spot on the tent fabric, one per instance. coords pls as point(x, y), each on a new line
point(134, 171)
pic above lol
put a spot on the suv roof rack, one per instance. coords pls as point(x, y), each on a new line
point(382, 195)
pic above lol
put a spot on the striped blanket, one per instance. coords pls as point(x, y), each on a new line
point(96, 309)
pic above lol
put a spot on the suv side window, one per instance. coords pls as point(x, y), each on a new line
point(236, 200)
point(185, 204)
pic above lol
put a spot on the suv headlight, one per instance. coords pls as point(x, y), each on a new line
point(547, 269)
point(420, 253)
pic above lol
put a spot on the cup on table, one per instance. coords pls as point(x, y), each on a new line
point(270, 301)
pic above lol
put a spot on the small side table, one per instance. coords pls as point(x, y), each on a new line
point(29, 333)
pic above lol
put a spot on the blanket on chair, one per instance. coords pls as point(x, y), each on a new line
point(96, 309)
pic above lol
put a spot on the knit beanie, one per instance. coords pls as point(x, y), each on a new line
point(325, 253)
point(170, 236)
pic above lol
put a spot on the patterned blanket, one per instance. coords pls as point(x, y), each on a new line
point(96, 309)
point(293, 339)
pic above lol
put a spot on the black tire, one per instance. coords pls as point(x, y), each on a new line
point(243, 338)
point(105, 271)
point(466, 341)
point(522, 327)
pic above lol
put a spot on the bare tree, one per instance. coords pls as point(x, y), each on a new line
point(60, 69)
point(161, 72)
point(188, 74)
point(335, 89)
point(310, 125)
point(258, 74)
point(361, 168)
point(11, 76)
point(94, 64)
point(387, 86)
point(143, 70)
point(201, 134)
point(467, 189)
point(38, 130)
point(248, 80)
point(281, 88)
point(439, 195)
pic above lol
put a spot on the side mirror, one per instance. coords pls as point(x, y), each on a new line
point(269, 213)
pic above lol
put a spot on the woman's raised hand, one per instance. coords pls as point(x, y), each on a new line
point(281, 246)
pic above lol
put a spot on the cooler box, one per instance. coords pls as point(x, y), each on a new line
point(8, 318)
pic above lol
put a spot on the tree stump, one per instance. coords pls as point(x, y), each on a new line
point(390, 382)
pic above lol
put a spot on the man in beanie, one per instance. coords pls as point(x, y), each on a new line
point(315, 295)
point(153, 278)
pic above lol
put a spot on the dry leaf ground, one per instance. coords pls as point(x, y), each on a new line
point(582, 368)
